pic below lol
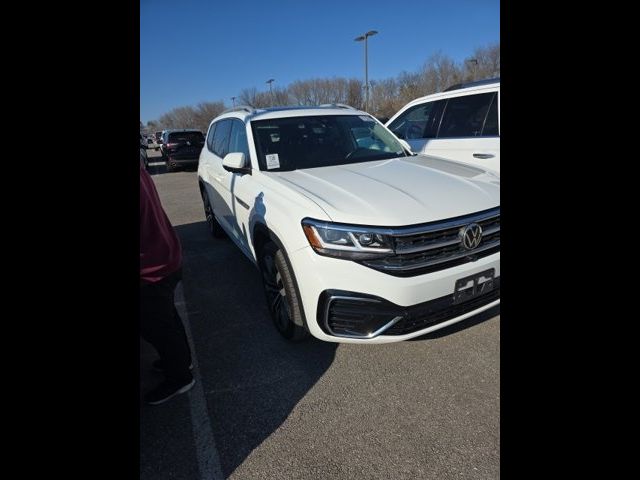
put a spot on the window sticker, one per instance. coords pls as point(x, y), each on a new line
point(272, 161)
point(366, 118)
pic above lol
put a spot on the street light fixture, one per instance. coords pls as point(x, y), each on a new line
point(270, 81)
point(364, 37)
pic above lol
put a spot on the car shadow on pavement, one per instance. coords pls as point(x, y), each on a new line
point(252, 377)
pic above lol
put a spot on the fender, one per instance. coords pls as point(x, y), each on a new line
point(263, 235)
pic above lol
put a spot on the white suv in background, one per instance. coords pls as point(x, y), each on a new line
point(462, 123)
point(356, 238)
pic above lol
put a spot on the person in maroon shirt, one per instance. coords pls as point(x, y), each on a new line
point(160, 272)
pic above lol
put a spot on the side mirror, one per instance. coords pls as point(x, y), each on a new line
point(235, 162)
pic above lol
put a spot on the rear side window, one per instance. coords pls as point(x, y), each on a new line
point(238, 139)
point(465, 116)
point(194, 138)
point(491, 123)
point(419, 121)
point(212, 129)
point(221, 138)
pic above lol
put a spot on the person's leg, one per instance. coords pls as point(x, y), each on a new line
point(161, 325)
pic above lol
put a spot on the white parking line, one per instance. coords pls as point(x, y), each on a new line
point(205, 444)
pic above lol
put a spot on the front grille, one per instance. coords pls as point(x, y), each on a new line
point(437, 245)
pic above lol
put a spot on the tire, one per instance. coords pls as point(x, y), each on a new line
point(213, 226)
point(283, 301)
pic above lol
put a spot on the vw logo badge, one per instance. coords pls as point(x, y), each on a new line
point(471, 236)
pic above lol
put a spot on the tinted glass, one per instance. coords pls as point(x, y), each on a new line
point(319, 141)
point(464, 116)
point(183, 137)
point(212, 129)
point(221, 138)
point(491, 123)
point(420, 121)
point(238, 138)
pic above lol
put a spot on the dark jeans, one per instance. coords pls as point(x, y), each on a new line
point(161, 326)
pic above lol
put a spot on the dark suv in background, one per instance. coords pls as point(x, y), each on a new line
point(181, 148)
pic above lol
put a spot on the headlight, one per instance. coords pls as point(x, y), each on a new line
point(347, 241)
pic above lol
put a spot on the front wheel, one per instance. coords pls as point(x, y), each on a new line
point(282, 298)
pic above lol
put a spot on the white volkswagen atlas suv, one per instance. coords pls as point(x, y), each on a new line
point(356, 238)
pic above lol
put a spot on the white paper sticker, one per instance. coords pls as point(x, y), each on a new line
point(366, 118)
point(272, 161)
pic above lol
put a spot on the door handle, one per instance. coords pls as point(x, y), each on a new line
point(483, 155)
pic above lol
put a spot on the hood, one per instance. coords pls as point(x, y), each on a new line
point(396, 192)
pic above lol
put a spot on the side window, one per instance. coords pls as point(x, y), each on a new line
point(491, 123)
point(221, 138)
point(238, 139)
point(464, 116)
point(420, 121)
point(212, 129)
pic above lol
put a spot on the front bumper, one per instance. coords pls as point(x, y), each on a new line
point(421, 298)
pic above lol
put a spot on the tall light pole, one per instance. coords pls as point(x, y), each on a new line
point(364, 37)
point(233, 99)
point(270, 81)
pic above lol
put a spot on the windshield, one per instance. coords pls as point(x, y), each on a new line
point(285, 144)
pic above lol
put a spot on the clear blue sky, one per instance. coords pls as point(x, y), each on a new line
point(196, 50)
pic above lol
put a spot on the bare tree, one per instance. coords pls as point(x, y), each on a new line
point(488, 61)
point(205, 112)
point(354, 95)
point(255, 99)
point(387, 96)
point(281, 97)
point(318, 91)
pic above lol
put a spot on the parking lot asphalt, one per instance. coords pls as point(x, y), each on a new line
point(269, 409)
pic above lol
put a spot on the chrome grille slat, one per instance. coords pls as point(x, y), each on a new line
point(447, 224)
point(428, 263)
point(422, 248)
point(435, 246)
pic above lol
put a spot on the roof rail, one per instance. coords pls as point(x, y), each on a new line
point(239, 108)
point(336, 105)
point(477, 83)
